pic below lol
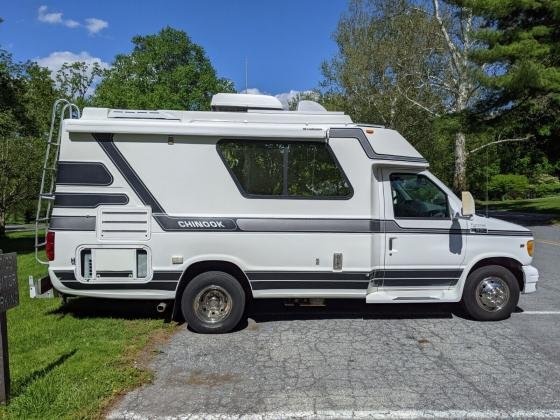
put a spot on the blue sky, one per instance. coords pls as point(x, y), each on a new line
point(284, 41)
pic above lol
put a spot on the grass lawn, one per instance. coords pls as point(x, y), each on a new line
point(70, 361)
point(548, 205)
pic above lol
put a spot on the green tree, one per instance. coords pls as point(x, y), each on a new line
point(166, 70)
point(520, 54)
point(75, 80)
point(504, 186)
point(406, 64)
point(309, 95)
point(26, 94)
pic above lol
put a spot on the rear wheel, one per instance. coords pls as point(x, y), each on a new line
point(213, 302)
point(491, 293)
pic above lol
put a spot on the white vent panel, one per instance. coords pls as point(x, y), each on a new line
point(123, 224)
point(143, 115)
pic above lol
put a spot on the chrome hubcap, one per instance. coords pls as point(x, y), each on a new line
point(492, 294)
point(212, 304)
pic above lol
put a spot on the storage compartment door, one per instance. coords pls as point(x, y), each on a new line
point(114, 263)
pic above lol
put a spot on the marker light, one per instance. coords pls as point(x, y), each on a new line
point(369, 130)
point(49, 246)
point(530, 247)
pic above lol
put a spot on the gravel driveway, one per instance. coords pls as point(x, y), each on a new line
point(352, 360)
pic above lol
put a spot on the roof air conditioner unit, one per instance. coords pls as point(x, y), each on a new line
point(242, 102)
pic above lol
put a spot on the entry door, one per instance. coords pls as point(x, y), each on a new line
point(425, 244)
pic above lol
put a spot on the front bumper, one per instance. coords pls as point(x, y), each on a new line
point(530, 277)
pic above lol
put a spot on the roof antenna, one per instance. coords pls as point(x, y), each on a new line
point(246, 78)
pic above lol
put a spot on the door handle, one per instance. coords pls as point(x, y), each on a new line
point(391, 244)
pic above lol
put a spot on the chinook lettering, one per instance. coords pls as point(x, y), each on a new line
point(197, 224)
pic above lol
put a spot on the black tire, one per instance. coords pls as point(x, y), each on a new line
point(478, 287)
point(204, 303)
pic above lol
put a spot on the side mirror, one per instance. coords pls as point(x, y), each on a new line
point(467, 202)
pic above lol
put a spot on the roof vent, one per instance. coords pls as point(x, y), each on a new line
point(242, 102)
point(310, 107)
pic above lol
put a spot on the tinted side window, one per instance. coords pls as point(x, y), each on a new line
point(312, 172)
point(417, 196)
point(284, 169)
point(257, 166)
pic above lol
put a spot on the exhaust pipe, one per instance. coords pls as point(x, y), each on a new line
point(162, 306)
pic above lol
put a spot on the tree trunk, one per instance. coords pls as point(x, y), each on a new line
point(2, 224)
point(460, 173)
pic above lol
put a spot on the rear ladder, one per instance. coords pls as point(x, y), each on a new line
point(48, 177)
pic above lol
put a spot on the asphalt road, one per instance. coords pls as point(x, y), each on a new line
point(352, 360)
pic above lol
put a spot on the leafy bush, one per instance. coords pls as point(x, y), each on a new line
point(546, 185)
point(508, 186)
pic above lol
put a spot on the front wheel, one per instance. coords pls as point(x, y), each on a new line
point(491, 293)
point(213, 302)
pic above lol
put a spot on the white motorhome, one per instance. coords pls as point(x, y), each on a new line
point(250, 201)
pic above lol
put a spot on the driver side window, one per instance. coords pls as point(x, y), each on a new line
point(416, 196)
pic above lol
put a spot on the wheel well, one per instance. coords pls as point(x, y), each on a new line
point(203, 266)
point(512, 265)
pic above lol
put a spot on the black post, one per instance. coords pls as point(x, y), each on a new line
point(4, 365)
point(9, 298)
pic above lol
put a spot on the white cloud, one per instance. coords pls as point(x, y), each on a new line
point(284, 97)
point(94, 25)
point(43, 16)
point(55, 60)
point(253, 91)
point(70, 23)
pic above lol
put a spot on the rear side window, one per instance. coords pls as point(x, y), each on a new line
point(284, 169)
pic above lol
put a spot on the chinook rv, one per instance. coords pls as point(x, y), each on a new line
point(249, 201)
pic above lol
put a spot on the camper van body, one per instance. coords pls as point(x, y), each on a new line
point(145, 201)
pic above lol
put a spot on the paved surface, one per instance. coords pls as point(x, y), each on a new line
point(20, 228)
point(358, 361)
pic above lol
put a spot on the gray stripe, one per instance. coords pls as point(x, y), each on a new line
point(279, 284)
point(418, 273)
point(162, 280)
point(158, 285)
point(505, 233)
point(412, 282)
point(83, 173)
point(88, 200)
point(359, 135)
point(309, 225)
point(180, 223)
point(210, 224)
point(72, 223)
point(307, 275)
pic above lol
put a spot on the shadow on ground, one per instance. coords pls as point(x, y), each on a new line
point(524, 219)
point(265, 310)
point(82, 307)
point(261, 310)
point(21, 245)
point(20, 386)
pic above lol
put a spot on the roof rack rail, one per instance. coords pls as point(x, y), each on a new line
point(141, 114)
